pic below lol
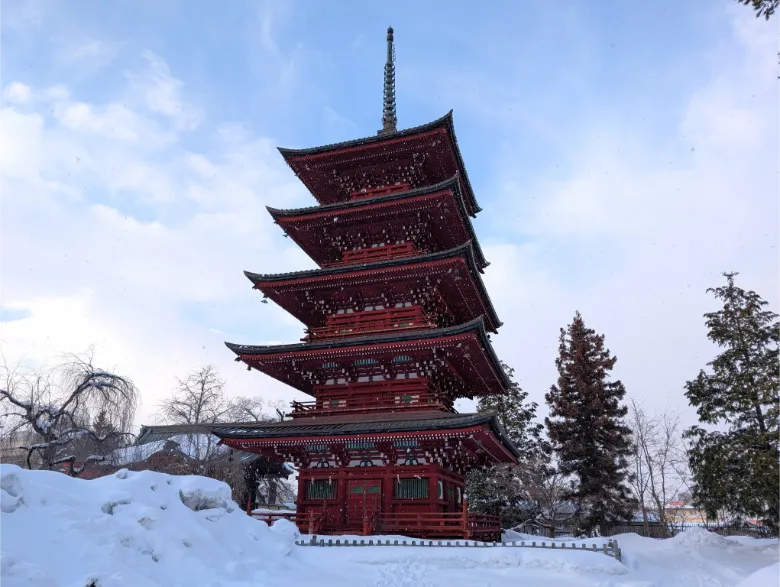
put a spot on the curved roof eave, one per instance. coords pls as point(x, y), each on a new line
point(451, 183)
point(466, 248)
point(287, 153)
point(500, 433)
point(444, 121)
point(477, 325)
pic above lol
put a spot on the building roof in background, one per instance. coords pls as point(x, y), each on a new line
point(191, 440)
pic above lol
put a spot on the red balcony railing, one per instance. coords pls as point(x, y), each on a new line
point(438, 524)
point(370, 322)
point(380, 191)
point(372, 254)
point(311, 522)
point(390, 394)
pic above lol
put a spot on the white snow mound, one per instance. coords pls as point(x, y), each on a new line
point(130, 529)
point(694, 538)
point(766, 577)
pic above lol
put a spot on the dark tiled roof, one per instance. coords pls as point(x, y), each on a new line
point(150, 434)
point(477, 325)
point(245, 349)
point(444, 121)
point(155, 433)
point(451, 184)
point(363, 424)
point(465, 249)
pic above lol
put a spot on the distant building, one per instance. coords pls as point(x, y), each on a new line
point(683, 513)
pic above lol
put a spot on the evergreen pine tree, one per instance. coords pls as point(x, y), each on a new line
point(736, 469)
point(499, 489)
point(105, 431)
point(516, 415)
point(586, 427)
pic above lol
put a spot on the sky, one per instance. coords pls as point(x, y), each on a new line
point(624, 154)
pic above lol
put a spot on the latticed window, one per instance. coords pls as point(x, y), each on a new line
point(362, 362)
point(360, 445)
point(321, 489)
point(411, 488)
point(405, 443)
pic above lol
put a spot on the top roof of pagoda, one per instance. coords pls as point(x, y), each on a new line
point(420, 156)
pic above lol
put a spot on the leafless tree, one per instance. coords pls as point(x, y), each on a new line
point(53, 411)
point(249, 409)
point(659, 456)
point(640, 477)
point(546, 487)
point(200, 398)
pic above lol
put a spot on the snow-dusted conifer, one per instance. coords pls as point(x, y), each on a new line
point(735, 468)
point(587, 429)
point(500, 488)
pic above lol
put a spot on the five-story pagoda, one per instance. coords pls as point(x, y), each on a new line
point(397, 321)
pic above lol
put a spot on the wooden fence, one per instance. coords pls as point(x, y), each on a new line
point(659, 531)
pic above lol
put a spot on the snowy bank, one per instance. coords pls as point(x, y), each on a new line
point(143, 529)
point(766, 577)
point(130, 528)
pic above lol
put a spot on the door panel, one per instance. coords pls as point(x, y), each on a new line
point(364, 498)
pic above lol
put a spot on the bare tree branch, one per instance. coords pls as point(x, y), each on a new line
point(54, 409)
point(659, 463)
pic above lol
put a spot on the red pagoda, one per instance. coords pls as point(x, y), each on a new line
point(397, 321)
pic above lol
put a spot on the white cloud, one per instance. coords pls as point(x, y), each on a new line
point(136, 245)
point(92, 50)
point(17, 93)
point(114, 121)
point(162, 93)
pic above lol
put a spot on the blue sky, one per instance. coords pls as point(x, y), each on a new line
point(624, 154)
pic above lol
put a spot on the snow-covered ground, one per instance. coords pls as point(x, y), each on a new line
point(138, 529)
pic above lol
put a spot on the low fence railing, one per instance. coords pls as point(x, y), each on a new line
point(609, 548)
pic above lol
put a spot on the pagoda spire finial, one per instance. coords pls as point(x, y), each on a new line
point(389, 118)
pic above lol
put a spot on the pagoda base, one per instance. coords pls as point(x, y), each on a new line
point(423, 501)
point(390, 473)
point(344, 499)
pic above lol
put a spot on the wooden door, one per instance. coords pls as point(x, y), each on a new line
point(450, 493)
point(365, 498)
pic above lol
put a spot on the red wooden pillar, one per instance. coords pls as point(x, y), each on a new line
point(465, 518)
point(342, 500)
point(312, 529)
point(388, 491)
point(433, 490)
